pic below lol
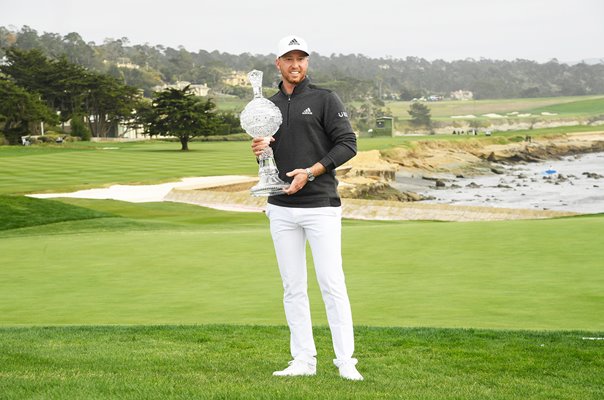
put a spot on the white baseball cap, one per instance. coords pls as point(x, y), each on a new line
point(291, 42)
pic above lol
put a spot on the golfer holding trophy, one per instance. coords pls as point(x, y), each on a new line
point(312, 137)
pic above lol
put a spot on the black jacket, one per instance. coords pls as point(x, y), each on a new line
point(315, 128)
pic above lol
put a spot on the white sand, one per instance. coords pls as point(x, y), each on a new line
point(463, 116)
point(144, 193)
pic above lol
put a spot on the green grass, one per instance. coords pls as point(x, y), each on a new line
point(20, 212)
point(167, 263)
point(84, 166)
point(232, 104)
point(591, 106)
point(236, 362)
point(120, 272)
point(571, 107)
point(384, 142)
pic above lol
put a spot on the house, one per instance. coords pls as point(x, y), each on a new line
point(462, 95)
point(236, 78)
point(123, 62)
point(198, 90)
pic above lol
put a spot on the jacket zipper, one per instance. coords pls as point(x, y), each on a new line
point(289, 99)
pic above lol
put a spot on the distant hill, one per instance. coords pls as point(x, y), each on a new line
point(353, 76)
point(588, 61)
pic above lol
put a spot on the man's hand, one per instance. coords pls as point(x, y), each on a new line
point(301, 177)
point(300, 180)
point(261, 143)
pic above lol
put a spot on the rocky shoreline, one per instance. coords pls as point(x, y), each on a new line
point(420, 172)
point(371, 173)
point(572, 183)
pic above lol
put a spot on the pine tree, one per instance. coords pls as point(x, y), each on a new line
point(420, 115)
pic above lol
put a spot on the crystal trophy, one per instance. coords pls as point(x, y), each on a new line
point(262, 118)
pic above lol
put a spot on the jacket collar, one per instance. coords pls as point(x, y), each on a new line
point(299, 88)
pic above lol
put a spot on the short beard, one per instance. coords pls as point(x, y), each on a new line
point(292, 82)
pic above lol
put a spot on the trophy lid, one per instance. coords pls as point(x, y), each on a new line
point(255, 78)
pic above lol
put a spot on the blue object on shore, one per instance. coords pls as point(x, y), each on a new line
point(551, 171)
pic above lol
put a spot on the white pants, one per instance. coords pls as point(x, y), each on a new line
point(290, 228)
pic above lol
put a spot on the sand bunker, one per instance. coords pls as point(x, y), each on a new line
point(145, 193)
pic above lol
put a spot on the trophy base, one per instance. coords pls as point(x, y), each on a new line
point(269, 184)
point(269, 190)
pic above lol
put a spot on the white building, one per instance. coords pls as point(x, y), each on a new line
point(462, 95)
point(198, 90)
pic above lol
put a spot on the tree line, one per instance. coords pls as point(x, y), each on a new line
point(36, 89)
point(354, 76)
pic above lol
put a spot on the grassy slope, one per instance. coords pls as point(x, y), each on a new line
point(382, 143)
point(84, 166)
point(20, 212)
point(236, 362)
point(173, 263)
point(577, 106)
point(589, 106)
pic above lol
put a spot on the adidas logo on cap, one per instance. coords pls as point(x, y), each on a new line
point(291, 43)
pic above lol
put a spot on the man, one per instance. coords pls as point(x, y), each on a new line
point(314, 138)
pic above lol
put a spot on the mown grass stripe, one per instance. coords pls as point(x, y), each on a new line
point(142, 163)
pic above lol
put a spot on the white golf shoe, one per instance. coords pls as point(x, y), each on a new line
point(297, 368)
point(348, 370)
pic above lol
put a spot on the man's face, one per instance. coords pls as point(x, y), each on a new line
point(293, 66)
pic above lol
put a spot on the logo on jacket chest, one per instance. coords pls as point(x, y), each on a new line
point(308, 111)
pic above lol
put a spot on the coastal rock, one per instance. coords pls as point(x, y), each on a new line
point(592, 175)
point(378, 191)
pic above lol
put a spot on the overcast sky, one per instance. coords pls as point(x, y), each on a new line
point(569, 30)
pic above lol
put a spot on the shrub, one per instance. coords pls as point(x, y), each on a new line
point(79, 128)
point(516, 139)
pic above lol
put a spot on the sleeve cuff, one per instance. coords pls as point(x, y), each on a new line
point(328, 163)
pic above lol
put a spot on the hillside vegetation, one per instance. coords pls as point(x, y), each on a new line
point(353, 76)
